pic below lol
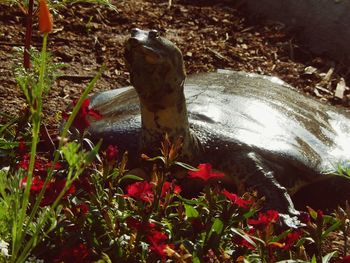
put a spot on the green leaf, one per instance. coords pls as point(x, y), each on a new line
point(93, 153)
point(132, 177)
point(333, 227)
point(195, 259)
point(197, 201)
point(70, 151)
point(156, 158)
point(190, 211)
point(312, 213)
point(244, 236)
point(293, 261)
point(104, 259)
point(328, 257)
point(313, 260)
point(186, 166)
point(217, 227)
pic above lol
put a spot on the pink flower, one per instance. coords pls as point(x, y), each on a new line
point(141, 190)
point(81, 121)
point(236, 199)
point(271, 216)
point(205, 172)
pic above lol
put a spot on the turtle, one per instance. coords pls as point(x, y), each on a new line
point(255, 128)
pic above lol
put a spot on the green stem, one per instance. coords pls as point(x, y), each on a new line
point(56, 157)
point(210, 216)
point(36, 109)
point(62, 140)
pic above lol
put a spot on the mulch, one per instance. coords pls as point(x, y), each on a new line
point(211, 36)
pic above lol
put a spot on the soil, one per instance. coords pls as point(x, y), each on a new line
point(211, 35)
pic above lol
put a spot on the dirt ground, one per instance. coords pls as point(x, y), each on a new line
point(211, 36)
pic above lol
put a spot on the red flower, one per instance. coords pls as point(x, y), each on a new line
point(76, 254)
point(305, 218)
point(24, 163)
point(82, 209)
point(169, 186)
point(141, 190)
point(81, 121)
point(138, 225)
point(236, 199)
point(344, 260)
point(57, 166)
point(54, 189)
point(36, 186)
point(22, 148)
point(157, 243)
point(291, 239)
point(205, 172)
point(111, 152)
point(197, 225)
point(84, 184)
point(40, 166)
point(271, 216)
point(243, 242)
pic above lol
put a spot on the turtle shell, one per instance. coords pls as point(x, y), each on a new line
point(232, 114)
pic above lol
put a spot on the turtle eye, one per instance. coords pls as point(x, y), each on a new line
point(153, 34)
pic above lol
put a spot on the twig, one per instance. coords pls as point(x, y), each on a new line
point(28, 37)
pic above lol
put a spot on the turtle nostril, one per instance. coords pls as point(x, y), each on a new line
point(134, 31)
point(153, 33)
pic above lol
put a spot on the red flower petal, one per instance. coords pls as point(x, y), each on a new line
point(205, 172)
point(236, 199)
point(111, 152)
point(81, 121)
point(271, 216)
point(141, 190)
point(157, 243)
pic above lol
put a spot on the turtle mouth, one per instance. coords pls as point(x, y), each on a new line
point(141, 47)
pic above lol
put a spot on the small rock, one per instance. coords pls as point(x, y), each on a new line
point(339, 90)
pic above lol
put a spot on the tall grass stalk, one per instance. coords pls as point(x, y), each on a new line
point(36, 111)
point(21, 245)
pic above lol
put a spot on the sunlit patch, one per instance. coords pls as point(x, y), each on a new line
point(342, 141)
point(213, 112)
point(263, 126)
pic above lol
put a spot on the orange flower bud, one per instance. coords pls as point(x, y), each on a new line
point(45, 18)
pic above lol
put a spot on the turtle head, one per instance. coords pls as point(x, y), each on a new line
point(156, 69)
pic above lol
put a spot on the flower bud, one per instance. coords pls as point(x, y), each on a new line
point(45, 18)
